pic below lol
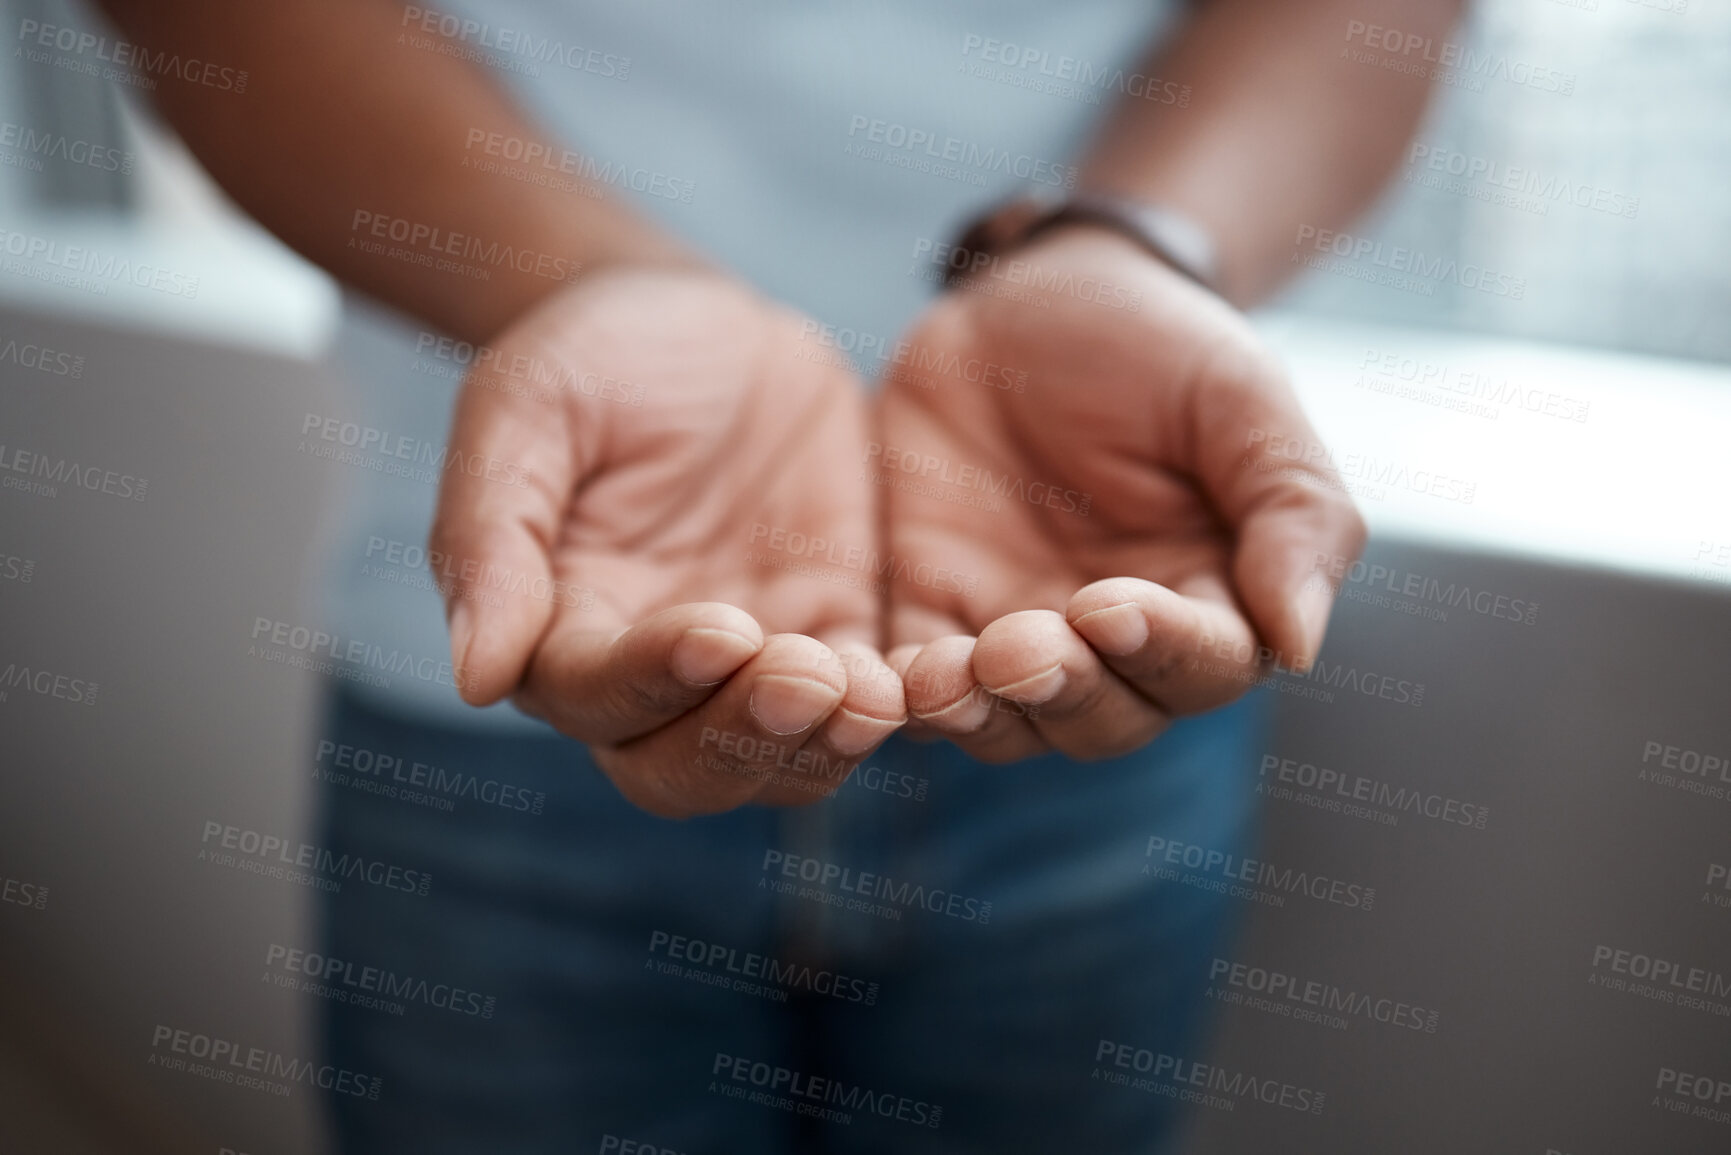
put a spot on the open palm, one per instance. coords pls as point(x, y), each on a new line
point(674, 442)
point(1116, 480)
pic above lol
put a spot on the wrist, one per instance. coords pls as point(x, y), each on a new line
point(1171, 238)
point(594, 245)
point(1094, 245)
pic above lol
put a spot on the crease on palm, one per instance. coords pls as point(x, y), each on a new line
point(689, 538)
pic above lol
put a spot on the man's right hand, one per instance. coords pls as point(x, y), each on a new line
point(638, 467)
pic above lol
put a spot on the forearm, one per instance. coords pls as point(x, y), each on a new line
point(348, 145)
point(1282, 129)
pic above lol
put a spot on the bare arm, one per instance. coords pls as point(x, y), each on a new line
point(342, 132)
point(1283, 128)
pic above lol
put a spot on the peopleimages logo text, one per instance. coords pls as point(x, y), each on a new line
point(954, 150)
point(101, 268)
point(351, 978)
point(1398, 259)
point(134, 57)
point(228, 1060)
point(877, 886)
point(320, 859)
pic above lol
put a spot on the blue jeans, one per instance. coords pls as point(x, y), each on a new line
point(930, 961)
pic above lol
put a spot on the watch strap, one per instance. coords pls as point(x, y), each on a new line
point(1170, 236)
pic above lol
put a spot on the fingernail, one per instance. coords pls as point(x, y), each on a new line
point(462, 633)
point(849, 733)
point(704, 656)
point(784, 705)
point(1116, 630)
point(962, 716)
point(1042, 687)
point(1314, 605)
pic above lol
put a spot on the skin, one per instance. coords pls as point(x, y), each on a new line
point(1194, 568)
point(1157, 544)
point(652, 507)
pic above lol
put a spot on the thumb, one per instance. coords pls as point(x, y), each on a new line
point(1273, 480)
point(509, 471)
point(1285, 545)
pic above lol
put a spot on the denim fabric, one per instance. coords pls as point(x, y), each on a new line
point(602, 933)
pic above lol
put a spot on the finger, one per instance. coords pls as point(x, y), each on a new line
point(899, 660)
point(1273, 480)
point(510, 471)
point(723, 753)
point(1184, 654)
point(874, 707)
point(949, 701)
point(870, 711)
point(1085, 710)
point(611, 686)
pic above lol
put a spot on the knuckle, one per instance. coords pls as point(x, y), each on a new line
point(1100, 746)
point(1237, 359)
point(1226, 694)
point(637, 697)
point(649, 793)
point(1084, 704)
point(443, 530)
point(1163, 662)
point(692, 790)
point(1357, 529)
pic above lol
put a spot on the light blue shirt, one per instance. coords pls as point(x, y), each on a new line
point(813, 147)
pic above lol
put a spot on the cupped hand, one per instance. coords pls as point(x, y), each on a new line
point(1124, 476)
point(631, 461)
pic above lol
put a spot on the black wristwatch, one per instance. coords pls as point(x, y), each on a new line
point(1170, 236)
